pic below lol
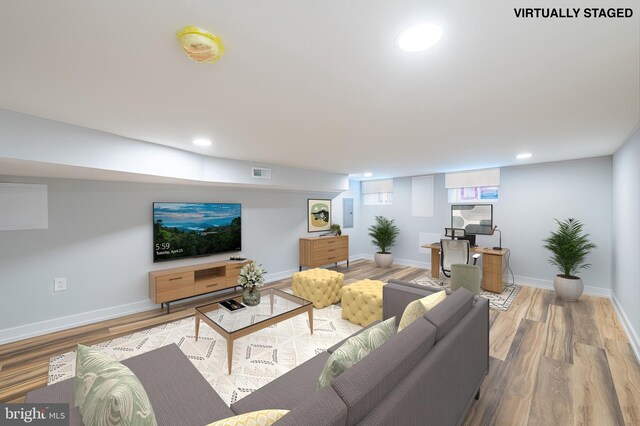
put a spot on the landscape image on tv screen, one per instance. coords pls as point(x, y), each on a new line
point(195, 229)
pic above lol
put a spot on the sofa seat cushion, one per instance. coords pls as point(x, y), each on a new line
point(254, 418)
point(287, 391)
point(418, 308)
point(355, 349)
point(447, 314)
point(178, 392)
point(107, 392)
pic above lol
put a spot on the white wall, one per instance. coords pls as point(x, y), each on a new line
point(626, 235)
point(530, 198)
point(100, 239)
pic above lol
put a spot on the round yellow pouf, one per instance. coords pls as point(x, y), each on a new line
point(319, 286)
point(362, 302)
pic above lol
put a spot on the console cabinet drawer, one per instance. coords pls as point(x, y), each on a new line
point(175, 286)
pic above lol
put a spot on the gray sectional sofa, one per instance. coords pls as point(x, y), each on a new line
point(428, 373)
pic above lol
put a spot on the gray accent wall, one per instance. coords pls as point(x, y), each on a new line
point(100, 239)
point(531, 196)
point(626, 233)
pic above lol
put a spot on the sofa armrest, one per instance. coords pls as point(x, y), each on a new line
point(396, 295)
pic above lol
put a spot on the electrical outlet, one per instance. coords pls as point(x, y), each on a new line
point(59, 284)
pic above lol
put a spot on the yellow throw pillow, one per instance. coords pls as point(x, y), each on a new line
point(418, 308)
point(255, 418)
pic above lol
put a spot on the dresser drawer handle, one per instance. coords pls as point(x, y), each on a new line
point(331, 257)
point(330, 242)
point(212, 285)
point(176, 278)
point(332, 250)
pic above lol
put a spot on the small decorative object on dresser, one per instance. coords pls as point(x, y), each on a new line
point(570, 246)
point(251, 277)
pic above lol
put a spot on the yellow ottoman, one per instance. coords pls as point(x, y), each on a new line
point(319, 286)
point(362, 302)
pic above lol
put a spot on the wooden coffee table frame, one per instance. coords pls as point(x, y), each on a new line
point(234, 335)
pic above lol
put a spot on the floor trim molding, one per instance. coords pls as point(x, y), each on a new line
point(631, 333)
point(548, 285)
point(70, 321)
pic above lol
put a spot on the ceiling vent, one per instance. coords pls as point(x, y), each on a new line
point(260, 173)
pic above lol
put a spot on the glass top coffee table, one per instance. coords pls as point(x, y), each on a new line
point(275, 306)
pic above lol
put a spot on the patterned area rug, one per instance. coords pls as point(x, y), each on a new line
point(500, 302)
point(257, 358)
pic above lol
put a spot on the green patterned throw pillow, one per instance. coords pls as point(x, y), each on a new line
point(356, 348)
point(418, 308)
point(108, 393)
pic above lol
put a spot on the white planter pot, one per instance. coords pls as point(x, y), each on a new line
point(383, 260)
point(569, 289)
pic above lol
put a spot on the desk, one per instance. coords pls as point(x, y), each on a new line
point(492, 261)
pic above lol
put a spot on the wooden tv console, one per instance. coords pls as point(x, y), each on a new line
point(170, 285)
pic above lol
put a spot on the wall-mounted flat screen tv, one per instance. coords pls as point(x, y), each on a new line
point(195, 229)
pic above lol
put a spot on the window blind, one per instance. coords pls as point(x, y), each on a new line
point(472, 178)
point(377, 186)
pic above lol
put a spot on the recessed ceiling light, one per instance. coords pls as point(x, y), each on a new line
point(523, 156)
point(368, 174)
point(202, 142)
point(419, 37)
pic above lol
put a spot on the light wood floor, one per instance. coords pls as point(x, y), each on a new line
point(552, 362)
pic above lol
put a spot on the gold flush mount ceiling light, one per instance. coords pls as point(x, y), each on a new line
point(200, 45)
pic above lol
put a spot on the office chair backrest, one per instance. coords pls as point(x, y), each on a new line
point(453, 251)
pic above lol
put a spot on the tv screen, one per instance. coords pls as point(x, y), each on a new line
point(195, 229)
point(475, 219)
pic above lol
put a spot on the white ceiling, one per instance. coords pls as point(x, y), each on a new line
point(321, 85)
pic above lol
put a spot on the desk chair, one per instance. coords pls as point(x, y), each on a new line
point(452, 252)
point(467, 276)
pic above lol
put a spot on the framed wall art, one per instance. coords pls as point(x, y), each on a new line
point(318, 215)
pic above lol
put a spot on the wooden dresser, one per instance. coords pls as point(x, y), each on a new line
point(169, 285)
point(319, 251)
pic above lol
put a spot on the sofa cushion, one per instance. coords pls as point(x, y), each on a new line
point(255, 418)
point(296, 391)
point(449, 313)
point(107, 392)
point(287, 391)
point(367, 383)
point(355, 349)
point(396, 295)
point(179, 394)
point(418, 308)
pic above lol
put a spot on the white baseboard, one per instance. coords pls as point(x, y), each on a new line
point(628, 328)
point(403, 262)
point(548, 284)
point(62, 323)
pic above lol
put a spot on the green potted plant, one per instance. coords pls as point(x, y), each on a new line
point(383, 235)
point(569, 246)
point(335, 230)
